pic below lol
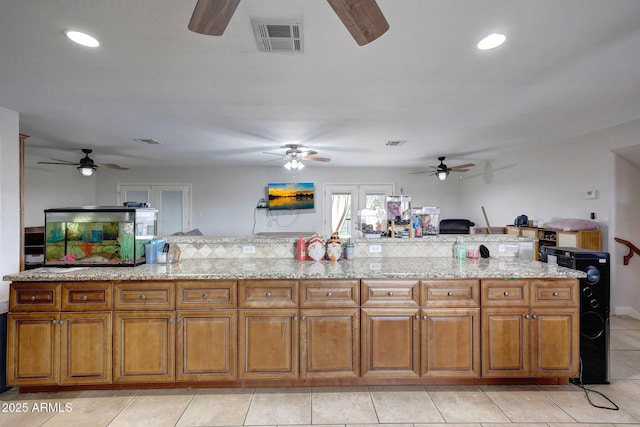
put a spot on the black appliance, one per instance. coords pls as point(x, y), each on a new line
point(594, 307)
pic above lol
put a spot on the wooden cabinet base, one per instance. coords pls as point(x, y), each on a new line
point(312, 382)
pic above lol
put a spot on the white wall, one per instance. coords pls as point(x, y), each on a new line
point(9, 197)
point(625, 295)
point(224, 199)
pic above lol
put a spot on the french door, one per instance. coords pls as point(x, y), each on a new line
point(343, 201)
point(173, 202)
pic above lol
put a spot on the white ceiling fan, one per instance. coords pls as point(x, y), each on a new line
point(294, 155)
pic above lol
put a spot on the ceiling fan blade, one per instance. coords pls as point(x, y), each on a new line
point(274, 154)
point(316, 159)
point(461, 167)
point(363, 19)
point(110, 166)
point(211, 17)
point(415, 173)
point(59, 163)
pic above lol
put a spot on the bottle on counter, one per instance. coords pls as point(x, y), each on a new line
point(301, 250)
point(459, 249)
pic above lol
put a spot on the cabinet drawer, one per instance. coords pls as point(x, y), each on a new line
point(450, 293)
point(329, 293)
point(390, 293)
point(84, 296)
point(34, 297)
point(206, 294)
point(551, 293)
point(144, 296)
point(268, 293)
point(500, 293)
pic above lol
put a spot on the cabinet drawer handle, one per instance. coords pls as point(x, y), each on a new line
point(506, 293)
point(32, 298)
point(450, 293)
point(205, 296)
point(555, 294)
point(84, 297)
point(390, 293)
point(142, 296)
point(268, 294)
point(329, 294)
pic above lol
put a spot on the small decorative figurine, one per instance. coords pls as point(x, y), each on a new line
point(334, 248)
point(315, 248)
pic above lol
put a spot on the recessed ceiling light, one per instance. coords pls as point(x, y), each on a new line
point(491, 41)
point(82, 38)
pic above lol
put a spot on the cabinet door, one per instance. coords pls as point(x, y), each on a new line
point(85, 347)
point(33, 349)
point(143, 346)
point(206, 345)
point(567, 238)
point(268, 343)
point(390, 342)
point(505, 342)
point(330, 343)
point(555, 342)
point(450, 342)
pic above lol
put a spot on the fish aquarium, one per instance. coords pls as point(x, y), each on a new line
point(98, 235)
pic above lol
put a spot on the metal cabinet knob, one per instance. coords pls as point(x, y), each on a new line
point(526, 316)
point(84, 297)
point(555, 294)
point(32, 298)
point(506, 293)
point(205, 296)
point(418, 317)
point(303, 318)
point(424, 317)
point(54, 321)
point(268, 294)
point(169, 320)
point(61, 322)
point(142, 296)
point(535, 316)
point(329, 294)
point(450, 293)
point(390, 293)
point(295, 317)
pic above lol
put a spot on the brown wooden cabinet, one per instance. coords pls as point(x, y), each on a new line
point(51, 347)
point(532, 334)
point(144, 332)
point(329, 328)
point(206, 330)
point(268, 329)
point(390, 330)
point(450, 329)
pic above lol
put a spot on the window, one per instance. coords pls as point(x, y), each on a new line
point(173, 202)
point(343, 201)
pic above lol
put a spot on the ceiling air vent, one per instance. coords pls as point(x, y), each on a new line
point(278, 36)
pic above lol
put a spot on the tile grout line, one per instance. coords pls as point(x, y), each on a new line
point(193, 396)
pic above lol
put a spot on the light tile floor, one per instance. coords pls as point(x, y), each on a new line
point(416, 406)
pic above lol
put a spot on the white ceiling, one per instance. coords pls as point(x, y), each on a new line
point(569, 67)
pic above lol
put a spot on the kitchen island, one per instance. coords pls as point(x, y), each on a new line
point(234, 322)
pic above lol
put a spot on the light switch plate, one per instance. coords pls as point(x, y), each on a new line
point(591, 194)
point(375, 249)
point(248, 249)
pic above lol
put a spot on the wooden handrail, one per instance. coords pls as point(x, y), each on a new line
point(632, 249)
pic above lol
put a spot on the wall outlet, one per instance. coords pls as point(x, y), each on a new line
point(248, 249)
point(375, 249)
point(375, 266)
point(508, 249)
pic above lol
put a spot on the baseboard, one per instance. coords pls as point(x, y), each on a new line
point(626, 311)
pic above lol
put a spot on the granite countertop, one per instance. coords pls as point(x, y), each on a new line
point(262, 268)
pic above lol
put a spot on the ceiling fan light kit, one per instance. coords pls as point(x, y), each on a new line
point(442, 175)
point(86, 170)
point(294, 164)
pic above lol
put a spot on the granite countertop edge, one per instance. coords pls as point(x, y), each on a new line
point(266, 268)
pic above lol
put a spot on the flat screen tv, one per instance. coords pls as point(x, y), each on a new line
point(288, 196)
